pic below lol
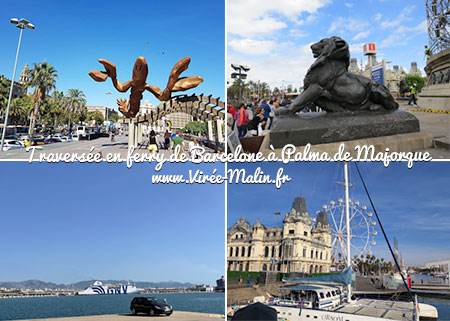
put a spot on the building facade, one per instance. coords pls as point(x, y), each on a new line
point(297, 246)
point(392, 77)
point(105, 111)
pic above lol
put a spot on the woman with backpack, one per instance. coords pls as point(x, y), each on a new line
point(241, 118)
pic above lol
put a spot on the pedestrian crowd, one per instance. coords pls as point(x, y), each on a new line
point(252, 118)
point(170, 140)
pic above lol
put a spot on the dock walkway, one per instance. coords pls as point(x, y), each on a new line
point(176, 316)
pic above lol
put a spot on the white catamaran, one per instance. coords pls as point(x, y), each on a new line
point(330, 297)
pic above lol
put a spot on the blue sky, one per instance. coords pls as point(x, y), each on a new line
point(412, 203)
point(274, 37)
point(105, 221)
point(73, 35)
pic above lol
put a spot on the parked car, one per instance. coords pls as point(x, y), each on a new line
point(12, 144)
point(66, 138)
point(53, 140)
point(150, 306)
point(24, 138)
point(36, 142)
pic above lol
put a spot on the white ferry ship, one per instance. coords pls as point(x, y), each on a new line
point(99, 288)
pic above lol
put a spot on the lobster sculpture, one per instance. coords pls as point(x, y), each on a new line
point(138, 83)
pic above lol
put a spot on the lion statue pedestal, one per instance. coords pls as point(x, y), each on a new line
point(320, 128)
point(356, 107)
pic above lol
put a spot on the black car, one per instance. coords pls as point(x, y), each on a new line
point(151, 306)
point(53, 140)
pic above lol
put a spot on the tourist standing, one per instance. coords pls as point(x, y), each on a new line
point(267, 110)
point(152, 142)
point(177, 140)
point(241, 119)
point(272, 113)
point(166, 139)
point(412, 96)
point(256, 125)
point(192, 144)
point(276, 103)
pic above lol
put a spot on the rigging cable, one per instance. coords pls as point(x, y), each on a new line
point(382, 229)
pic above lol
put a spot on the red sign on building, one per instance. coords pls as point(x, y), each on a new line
point(370, 49)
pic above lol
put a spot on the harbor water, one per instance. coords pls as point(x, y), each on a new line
point(442, 305)
point(424, 279)
point(69, 306)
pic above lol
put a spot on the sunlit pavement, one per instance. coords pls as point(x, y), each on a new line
point(177, 315)
point(436, 124)
point(102, 145)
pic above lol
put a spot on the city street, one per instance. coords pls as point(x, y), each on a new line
point(101, 145)
point(436, 124)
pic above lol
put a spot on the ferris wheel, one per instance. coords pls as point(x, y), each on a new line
point(362, 229)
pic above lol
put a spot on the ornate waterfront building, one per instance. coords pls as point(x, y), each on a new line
point(297, 246)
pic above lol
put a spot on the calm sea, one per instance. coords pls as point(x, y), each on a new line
point(67, 306)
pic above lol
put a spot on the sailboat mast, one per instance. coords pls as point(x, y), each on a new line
point(347, 219)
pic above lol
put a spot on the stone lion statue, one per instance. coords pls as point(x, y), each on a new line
point(329, 85)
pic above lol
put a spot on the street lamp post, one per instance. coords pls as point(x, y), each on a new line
point(21, 24)
point(107, 108)
point(240, 75)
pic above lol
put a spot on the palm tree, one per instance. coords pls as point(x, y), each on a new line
point(42, 77)
point(4, 92)
point(57, 105)
point(76, 100)
point(233, 90)
point(264, 89)
point(253, 86)
point(20, 107)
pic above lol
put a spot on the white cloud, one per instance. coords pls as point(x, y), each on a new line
point(256, 27)
point(348, 4)
point(356, 48)
point(310, 19)
point(257, 17)
point(361, 35)
point(403, 34)
point(342, 25)
point(404, 15)
point(290, 66)
point(297, 33)
point(252, 47)
point(378, 16)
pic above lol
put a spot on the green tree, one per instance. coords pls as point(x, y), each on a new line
point(42, 78)
point(233, 90)
point(81, 116)
point(264, 89)
point(4, 92)
point(195, 127)
point(19, 109)
point(113, 116)
point(58, 105)
point(76, 101)
point(253, 87)
point(97, 116)
point(415, 79)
